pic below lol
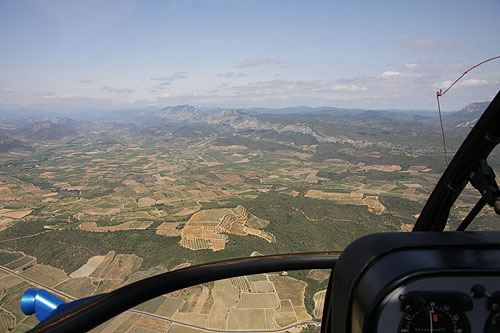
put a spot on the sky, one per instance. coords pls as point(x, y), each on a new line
point(100, 55)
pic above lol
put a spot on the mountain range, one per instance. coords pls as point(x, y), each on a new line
point(325, 125)
point(240, 120)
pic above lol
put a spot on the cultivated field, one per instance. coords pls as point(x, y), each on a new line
point(121, 202)
point(208, 229)
point(353, 198)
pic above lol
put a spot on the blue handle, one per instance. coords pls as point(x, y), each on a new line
point(45, 305)
point(39, 302)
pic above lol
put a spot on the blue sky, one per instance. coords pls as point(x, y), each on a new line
point(125, 54)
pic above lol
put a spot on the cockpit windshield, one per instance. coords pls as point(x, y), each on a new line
point(138, 138)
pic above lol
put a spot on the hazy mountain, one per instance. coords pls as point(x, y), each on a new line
point(335, 111)
point(53, 129)
point(298, 109)
point(122, 115)
point(23, 116)
point(228, 117)
point(191, 114)
point(29, 116)
point(467, 116)
point(182, 113)
point(8, 143)
point(463, 119)
point(240, 121)
point(408, 115)
point(215, 110)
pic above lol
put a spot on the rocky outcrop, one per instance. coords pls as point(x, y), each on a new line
point(182, 113)
point(240, 121)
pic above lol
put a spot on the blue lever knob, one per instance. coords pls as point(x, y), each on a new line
point(45, 305)
point(39, 302)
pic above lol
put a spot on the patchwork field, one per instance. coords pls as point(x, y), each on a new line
point(121, 202)
point(353, 198)
point(15, 213)
point(170, 229)
point(320, 275)
point(208, 229)
point(88, 268)
point(132, 225)
point(319, 301)
point(253, 302)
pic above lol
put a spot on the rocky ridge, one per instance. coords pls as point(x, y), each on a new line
point(468, 115)
point(240, 121)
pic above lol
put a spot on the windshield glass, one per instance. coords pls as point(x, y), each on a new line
point(142, 137)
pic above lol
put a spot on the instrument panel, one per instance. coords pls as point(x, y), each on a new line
point(416, 282)
point(458, 304)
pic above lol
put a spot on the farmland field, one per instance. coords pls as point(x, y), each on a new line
point(6, 321)
point(121, 202)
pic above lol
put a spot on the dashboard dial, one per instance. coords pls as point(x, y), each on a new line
point(436, 317)
point(493, 323)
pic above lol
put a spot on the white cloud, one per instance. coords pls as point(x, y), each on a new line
point(9, 90)
point(112, 90)
point(271, 60)
point(64, 96)
point(226, 75)
point(231, 75)
point(411, 65)
point(465, 83)
point(161, 86)
point(424, 44)
point(385, 86)
point(455, 68)
point(474, 83)
point(167, 80)
point(389, 74)
point(171, 78)
point(442, 85)
point(276, 87)
point(348, 87)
